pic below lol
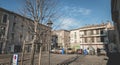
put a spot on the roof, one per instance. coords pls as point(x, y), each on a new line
point(93, 25)
point(62, 30)
point(11, 12)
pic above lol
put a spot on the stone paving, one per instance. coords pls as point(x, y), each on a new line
point(90, 60)
point(59, 58)
point(56, 58)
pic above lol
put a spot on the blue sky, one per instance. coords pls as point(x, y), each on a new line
point(74, 13)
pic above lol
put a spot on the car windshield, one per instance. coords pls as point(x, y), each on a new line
point(69, 49)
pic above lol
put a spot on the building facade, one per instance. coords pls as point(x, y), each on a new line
point(62, 37)
point(14, 29)
point(75, 39)
point(115, 10)
point(95, 36)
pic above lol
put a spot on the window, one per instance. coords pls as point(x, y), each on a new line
point(13, 27)
point(14, 17)
point(85, 32)
point(71, 35)
point(102, 39)
point(85, 40)
point(92, 39)
point(21, 36)
point(75, 35)
point(4, 18)
point(98, 39)
point(2, 31)
point(12, 35)
point(101, 31)
point(91, 32)
point(97, 31)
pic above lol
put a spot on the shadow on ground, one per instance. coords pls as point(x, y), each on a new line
point(114, 59)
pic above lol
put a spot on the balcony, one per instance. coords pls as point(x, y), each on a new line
point(93, 35)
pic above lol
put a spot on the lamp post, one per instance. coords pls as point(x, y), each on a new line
point(49, 23)
point(40, 53)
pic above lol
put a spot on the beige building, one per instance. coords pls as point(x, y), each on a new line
point(62, 38)
point(95, 36)
point(15, 28)
point(75, 39)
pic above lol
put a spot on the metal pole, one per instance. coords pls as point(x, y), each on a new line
point(49, 24)
point(50, 46)
point(49, 56)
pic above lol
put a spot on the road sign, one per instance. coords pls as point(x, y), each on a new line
point(15, 59)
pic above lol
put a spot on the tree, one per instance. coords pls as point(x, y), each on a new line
point(40, 11)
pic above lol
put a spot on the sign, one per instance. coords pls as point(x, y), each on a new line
point(15, 59)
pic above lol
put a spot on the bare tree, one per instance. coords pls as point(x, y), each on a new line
point(40, 11)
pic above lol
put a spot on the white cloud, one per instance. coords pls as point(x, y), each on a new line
point(76, 11)
point(84, 11)
point(68, 23)
point(71, 17)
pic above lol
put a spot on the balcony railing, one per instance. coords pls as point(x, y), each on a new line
point(93, 35)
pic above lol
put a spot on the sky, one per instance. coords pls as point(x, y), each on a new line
point(74, 13)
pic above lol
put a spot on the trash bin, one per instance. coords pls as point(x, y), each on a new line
point(85, 52)
point(62, 51)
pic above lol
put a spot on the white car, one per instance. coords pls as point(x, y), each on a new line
point(53, 50)
point(103, 52)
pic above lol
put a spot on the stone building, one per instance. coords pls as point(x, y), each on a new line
point(95, 36)
point(15, 28)
point(54, 41)
point(62, 37)
point(115, 10)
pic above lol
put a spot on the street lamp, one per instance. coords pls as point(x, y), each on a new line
point(49, 23)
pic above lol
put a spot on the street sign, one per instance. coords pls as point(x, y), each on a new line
point(15, 59)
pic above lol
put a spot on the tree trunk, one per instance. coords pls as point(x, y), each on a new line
point(40, 53)
point(22, 56)
point(33, 44)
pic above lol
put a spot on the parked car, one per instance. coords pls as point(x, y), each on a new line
point(103, 52)
point(79, 51)
point(58, 51)
point(69, 51)
point(53, 50)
